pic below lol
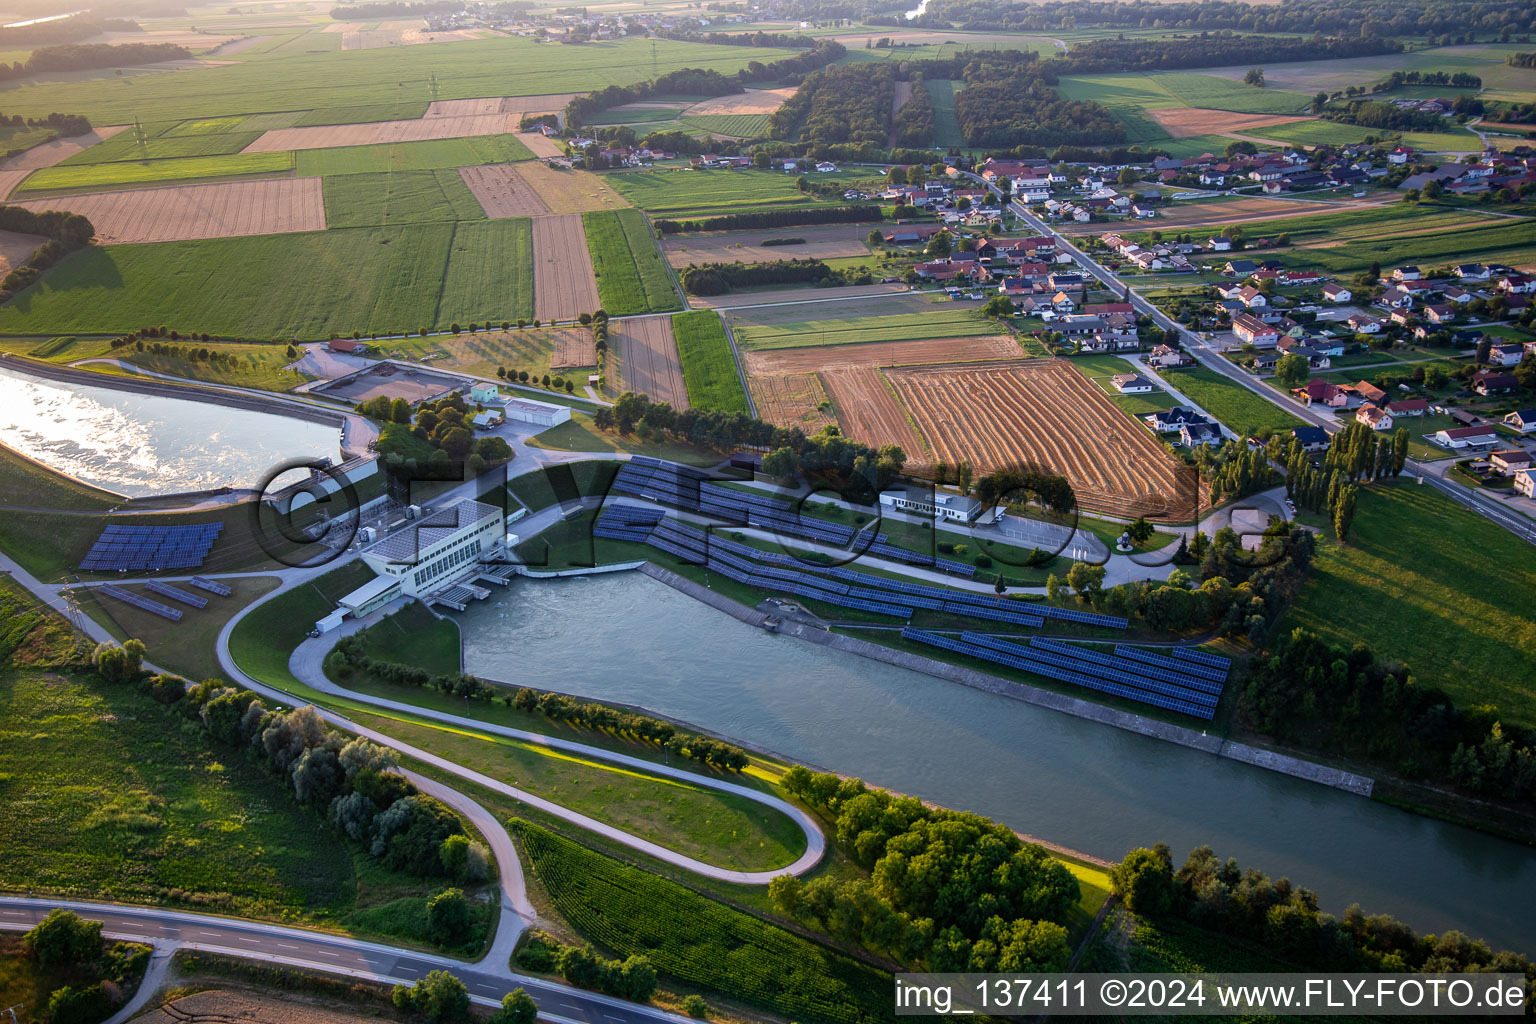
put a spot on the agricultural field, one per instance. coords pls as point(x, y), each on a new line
point(411, 156)
point(1435, 586)
point(15, 247)
point(643, 357)
point(157, 145)
point(308, 285)
point(823, 242)
point(792, 400)
point(731, 126)
point(539, 350)
point(1045, 412)
point(698, 941)
point(1187, 122)
point(1231, 403)
point(81, 177)
point(502, 192)
point(946, 321)
point(1445, 236)
point(709, 367)
point(1486, 60)
point(394, 78)
point(380, 133)
point(406, 197)
point(684, 192)
point(563, 283)
point(631, 275)
point(569, 191)
point(1157, 90)
point(809, 359)
point(229, 209)
point(868, 411)
point(946, 126)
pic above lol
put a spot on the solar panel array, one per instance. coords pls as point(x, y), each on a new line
point(142, 603)
point(147, 548)
point(212, 586)
point(1201, 657)
point(1126, 665)
point(164, 590)
point(1059, 668)
point(691, 490)
point(837, 585)
point(1218, 675)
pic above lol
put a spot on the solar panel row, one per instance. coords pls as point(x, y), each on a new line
point(1088, 668)
point(146, 548)
point(142, 603)
point(1127, 665)
point(164, 590)
point(1202, 657)
point(212, 586)
point(1218, 675)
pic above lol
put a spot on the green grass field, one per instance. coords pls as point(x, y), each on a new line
point(942, 322)
point(1314, 133)
point(646, 115)
point(254, 366)
point(946, 127)
point(29, 485)
point(631, 275)
point(701, 942)
point(1231, 403)
point(675, 191)
point(210, 126)
point(1505, 239)
point(309, 285)
point(411, 156)
point(741, 126)
point(126, 146)
point(155, 172)
point(709, 368)
point(404, 108)
point(1435, 586)
point(404, 197)
point(391, 81)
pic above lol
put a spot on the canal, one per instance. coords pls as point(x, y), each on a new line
point(627, 638)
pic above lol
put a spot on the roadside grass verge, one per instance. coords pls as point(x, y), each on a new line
point(709, 367)
point(1435, 586)
point(631, 275)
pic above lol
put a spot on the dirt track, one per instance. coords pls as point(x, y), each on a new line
point(643, 358)
point(563, 284)
point(1045, 412)
point(869, 413)
point(221, 210)
point(767, 362)
point(825, 242)
point(502, 192)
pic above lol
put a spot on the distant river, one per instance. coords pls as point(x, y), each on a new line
point(138, 445)
point(627, 638)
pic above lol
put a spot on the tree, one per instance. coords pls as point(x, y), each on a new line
point(781, 464)
point(1292, 369)
point(1254, 77)
point(963, 475)
point(939, 246)
point(1399, 450)
point(439, 996)
point(1344, 511)
point(695, 1006)
point(448, 917)
point(875, 239)
point(1144, 880)
point(1141, 531)
point(1128, 176)
point(1085, 580)
point(119, 664)
point(1319, 101)
point(63, 939)
point(517, 1007)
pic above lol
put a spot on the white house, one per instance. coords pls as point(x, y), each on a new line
point(932, 504)
point(1523, 420)
point(1525, 483)
point(1337, 293)
point(1374, 417)
point(1132, 384)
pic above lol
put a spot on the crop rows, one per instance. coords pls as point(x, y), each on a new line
point(632, 277)
point(709, 368)
point(701, 942)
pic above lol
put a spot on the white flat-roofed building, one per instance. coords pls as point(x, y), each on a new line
point(437, 548)
point(543, 414)
point(932, 504)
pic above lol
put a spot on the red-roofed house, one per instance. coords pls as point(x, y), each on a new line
point(1320, 392)
point(1409, 407)
point(1252, 331)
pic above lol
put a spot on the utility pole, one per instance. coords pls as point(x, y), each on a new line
point(76, 618)
point(12, 1011)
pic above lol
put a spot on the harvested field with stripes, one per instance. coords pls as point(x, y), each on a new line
point(643, 358)
point(569, 191)
point(868, 412)
point(540, 145)
point(881, 353)
point(792, 400)
point(563, 285)
point(824, 242)
point(1046, 413)
point(574, 346)
point(502, 192)
point(271, 206)
point(548, 103)
point(421, 129)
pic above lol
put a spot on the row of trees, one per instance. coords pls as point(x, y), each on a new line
point(1357, 454)
point(1234, 470)
point(1023, 485)
point(82, 56)
point(65, 232)
point(67, 125)
point(1310, 690)
point(1385, 117)
point(947, 890)
point(1212, 50)
point(441, 996)
point(1222, 897)
point(62, 30)
point(719, 278)
point(444, 426)
point(1454, 79)
point(775, 219)
point(630, 978)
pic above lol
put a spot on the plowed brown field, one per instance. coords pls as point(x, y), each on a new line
point(502, 192)
point(791, 400)
point(643, 358)
point(1187, 122)
point(224, 1007)
point(15, 247)
point(869, 413)
point(224, 210)
point(563, 284)
point(1044, 412)
point(374, 133)
point(574, 346)
point(569, 191)
point(826, 242)
point(881, 353)
point(547, 103)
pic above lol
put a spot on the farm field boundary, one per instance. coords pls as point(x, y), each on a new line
point(631, 275)
point(218, 210)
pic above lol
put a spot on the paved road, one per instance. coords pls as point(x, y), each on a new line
point(336, 954)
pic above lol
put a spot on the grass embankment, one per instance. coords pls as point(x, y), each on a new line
point(700, 942)
point(1231, 403)
point(263, 640)
point(388, 280)
point(254, 366)
point(1428, 583)
point(27, 484)
point(535, 490)
point(580, 434)
point(709, 366)
point(631, 275)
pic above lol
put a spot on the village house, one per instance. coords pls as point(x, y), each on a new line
point(1321, 392)
point(1523, 420)
point(1312, 439)
point(1374, 417)
point(1457, 438)
point(1168, 421)
point(1132, 384)
point(1365, 391)
point(1509, 460)
point(1192, 434)
point(1489, 382)
point(1166, 356)
point(1439, 313)
point(1525, 483)
point(1409, 407)
point(1337, 293)
point(1364, 323)
point(1250, 330)
point(1506, 355)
